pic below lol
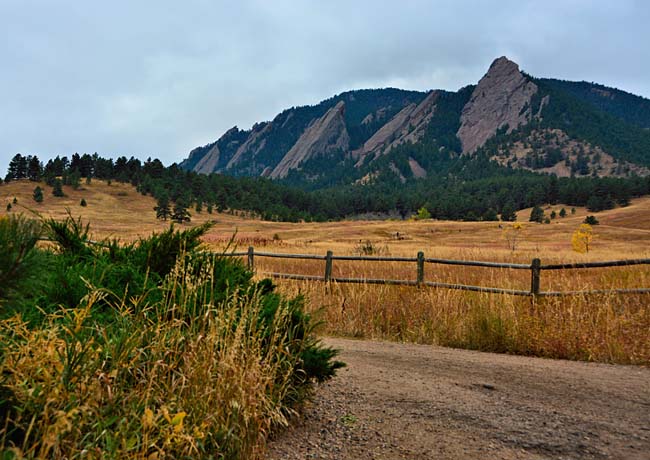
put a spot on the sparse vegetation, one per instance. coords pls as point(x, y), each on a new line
point(513, 234)
point(368, 248)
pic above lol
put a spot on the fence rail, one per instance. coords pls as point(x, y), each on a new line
point(535, 268)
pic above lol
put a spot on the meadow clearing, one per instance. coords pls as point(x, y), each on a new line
point(606, 327)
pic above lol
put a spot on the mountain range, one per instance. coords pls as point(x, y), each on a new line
point(513, 119)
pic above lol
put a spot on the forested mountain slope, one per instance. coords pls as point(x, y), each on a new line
point(518, 121)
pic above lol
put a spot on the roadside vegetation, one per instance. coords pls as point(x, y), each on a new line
point(151, 349)
point(602, 328)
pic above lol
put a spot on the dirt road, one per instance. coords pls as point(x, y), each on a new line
point(397, 401)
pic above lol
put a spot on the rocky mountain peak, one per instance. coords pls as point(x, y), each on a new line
point(501, 98)
point(502, 65)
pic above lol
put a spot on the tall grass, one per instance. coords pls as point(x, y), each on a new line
point(202, 363)
point(607, 327)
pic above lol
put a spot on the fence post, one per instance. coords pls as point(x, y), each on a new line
point(420, 278)
point(328, 266)
point(251, 258)
point(535, 273)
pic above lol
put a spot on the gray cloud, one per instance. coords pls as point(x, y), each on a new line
point(157, 78)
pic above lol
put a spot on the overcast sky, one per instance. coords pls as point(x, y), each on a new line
point(158, 78)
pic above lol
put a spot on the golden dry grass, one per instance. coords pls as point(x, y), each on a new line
point(604, 328)
point(118, 210)
point(159, 382)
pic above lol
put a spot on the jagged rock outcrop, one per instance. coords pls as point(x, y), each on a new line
point(324, 135)
point(213, 157)
point(254, 143)
point(407, 126)
point(502, 97)
point(418, 171)
point(209, 162)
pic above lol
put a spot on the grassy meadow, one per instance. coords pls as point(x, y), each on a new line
point(607, 328)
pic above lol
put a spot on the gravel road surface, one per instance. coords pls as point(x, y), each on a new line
point(402, 401)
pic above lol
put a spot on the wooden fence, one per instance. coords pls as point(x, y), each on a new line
point(535, 268)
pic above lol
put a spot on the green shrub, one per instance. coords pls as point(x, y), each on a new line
point(149, 348)
point(18, 263)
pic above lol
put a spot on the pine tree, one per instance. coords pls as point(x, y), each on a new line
point(537, 215)
point(180, 213)
point(34, 169)
point(57, 188)
point(508, 213)
point(562, 212)
point(83, 203)
point(17, 168)
point(38, 194)
point(490, 215)
point(73, 179)
point(162, 209)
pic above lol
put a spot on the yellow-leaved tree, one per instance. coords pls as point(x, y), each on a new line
point(582, 238)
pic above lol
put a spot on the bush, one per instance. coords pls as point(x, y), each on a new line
point(368, 248)
point(83, 203)
point(423, 214)
point(591, 220)
point(125, 324)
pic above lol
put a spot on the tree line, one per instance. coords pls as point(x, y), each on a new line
point(462, 189)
